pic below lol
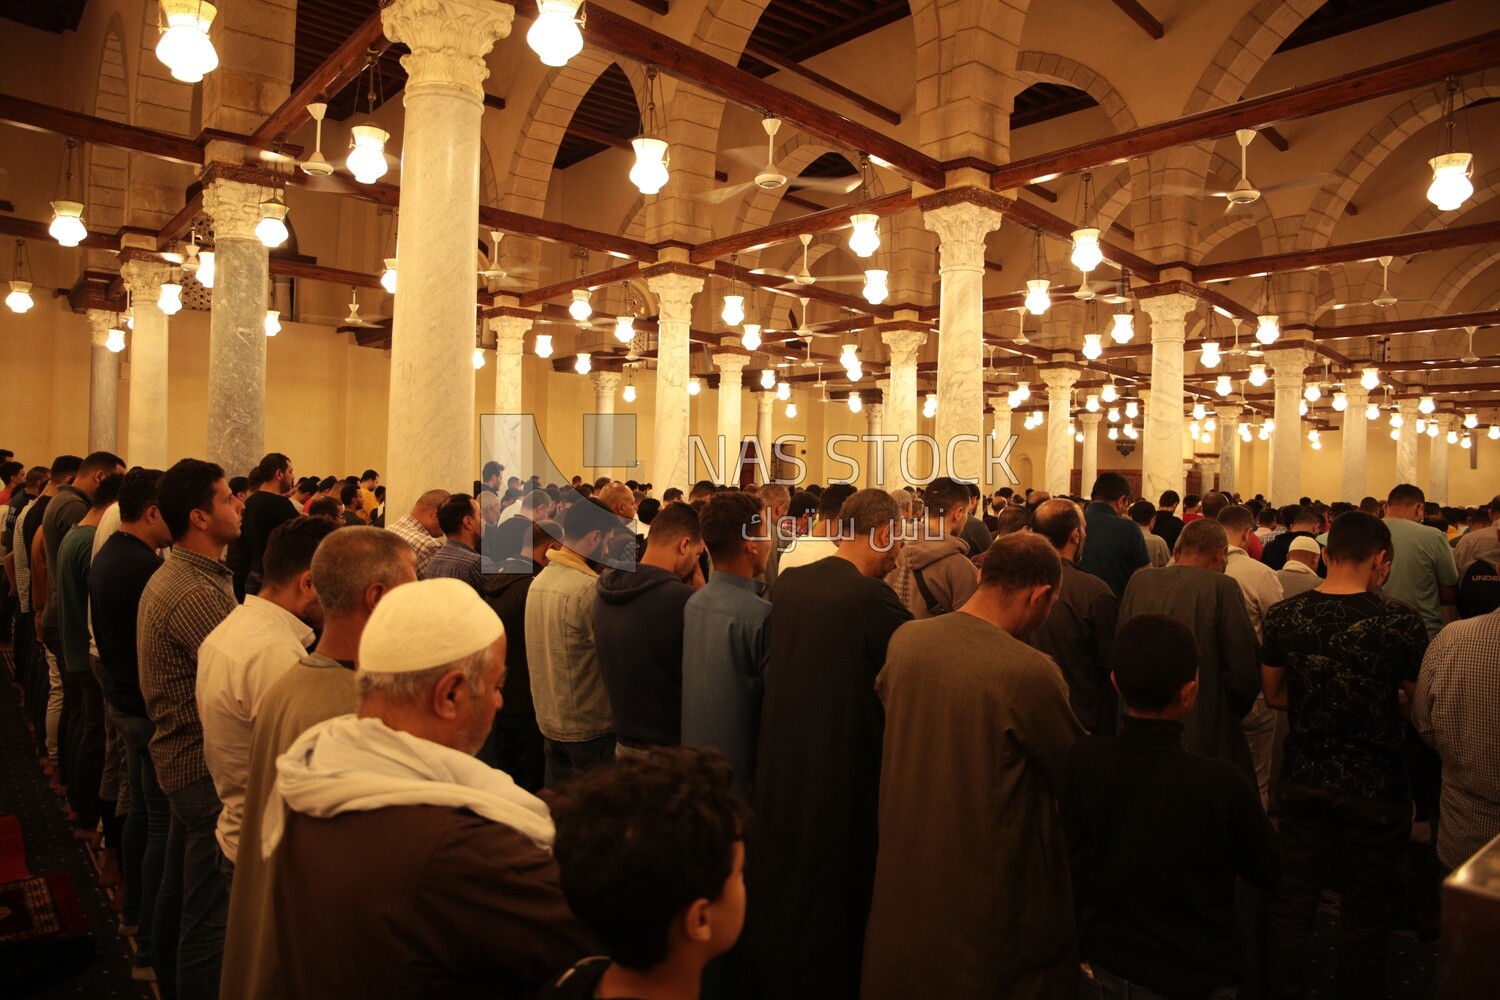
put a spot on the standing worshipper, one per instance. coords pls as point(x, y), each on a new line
point(1144, 515)
point(1078, 631)
point(459, 557)
point(824, 539)
point(818, 771)
point(1261, 588)
point(420, 528)
point(1423, 573)
point(1114, 548)
point(267, 507)
point(974, 532)
point(1300, 522)
point(726, 637)
point(935, 573)
point(971, 893)
point(1195, 591)
point(1168, 525)
point(1299, 573)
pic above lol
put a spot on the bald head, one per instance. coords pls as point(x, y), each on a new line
point(619, 498)
point(424, 511)
point(1061, 523)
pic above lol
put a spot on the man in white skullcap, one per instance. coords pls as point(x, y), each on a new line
point(403, 865)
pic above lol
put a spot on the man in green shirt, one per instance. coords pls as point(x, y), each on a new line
point(1423, 573)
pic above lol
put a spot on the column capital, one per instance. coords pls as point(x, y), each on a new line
point(448, 40)
point(144, 279)
point(1229, 413)
point(1060, 380)
point(765, 401)
point(1408, 407)
point(1090, 420)
point(674, 292)
point(884, 385)
point(1288, 363)
point(235, 208)
point(510, 332)
point(100, 323)
point(1167, 314)
point(1001, 403)
point(732, 365)
point(873, 411)
point(605, 383)
point(903, 345)
point(1355, 395)
point(961, 228)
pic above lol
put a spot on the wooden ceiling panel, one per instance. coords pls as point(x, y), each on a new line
point(322, 25)
point(1339, 17)
point(607, 111)
point(55, 16)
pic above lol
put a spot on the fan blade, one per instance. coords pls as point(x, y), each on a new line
point(837, 185)
point(750, 156)
point(717, 196)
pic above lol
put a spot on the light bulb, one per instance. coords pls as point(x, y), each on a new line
point(1086, 253)
point(1224, 386)
point(783, 391)
point(1467, 442)
point(629, 394)
point(1132, 409)
point(1245, 434)
point(1302, 407)
point(1109, 393)
point(1494, 432)
point(849, 355)
point(19, 300)
point(1395, 434)
point(388, 276)
point(1421, 425)
point(544, 345)
point(855, 403)
point(1372, 412)
point(367, 153)
point(695, 386)
point(624, 329)
point(1264, 433)
point(876, 289)
point(750, 337)
point(478, 358)
point(1113, 415)
point(1199, 410)
point(115, 341)
point(1257, 375)
point(1210, 424)
point(929, 405)
point(1471, 420)
point(1131, 432)
point(649, 174)
point(1317, 445)
point(1091, 403)
point(734, 310)
point(791, 411)
point(1023, 390)
point(1396, 419)
point(865, 239)
point(1313, 392)
point(1114, 433)
point(1093, 346)
point(67, 226)
point(1268, 330)
point(273, 322)
point(585, 364)
point(1453, 437)
point(768, 379)
point(170, 301)
point(1037, 299)
point(1210, 357)
point(1340, 401)
point(579, 308)
point(1076, 437)
point(1369, 378)
point(1432, 430)
point(184, 47)
point(1195, 429)
point(1269, 424)
point(855, 372)
point(1451, 186)
point(1123, 329)
point(206, 268)
point(271, 229)
point(554, 35)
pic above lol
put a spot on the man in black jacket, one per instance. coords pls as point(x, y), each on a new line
point(1301, 522)
point(1168, 525)
point(1158, 836)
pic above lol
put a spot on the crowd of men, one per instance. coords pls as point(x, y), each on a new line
point(580, 741)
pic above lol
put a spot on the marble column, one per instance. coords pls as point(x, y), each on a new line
point(1406, 443)
point(674, 291)
point(146, 436)
point(999, 436)
point(961, 230)
point(237, 328)
point(431, 413)
point(1161, 441)
point(1090, 463)
point(1060, 382)
point(104, 384)
point(765, 402)
point(875, 426)
point(731, 383)
point(1285, 472)
point(1353, 439)
point(1437, 458)
point(606, 384)
point(508, 445)
point(901, 402)
point(889, 455)
point(1229, 446)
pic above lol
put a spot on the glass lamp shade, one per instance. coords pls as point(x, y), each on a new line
point(791, 411)
point(1132, 410)
point(768, 379)
point(750, 337)
point(206, 268)
point(1086, 253)
point(855, 403)
point(1317, 445)
point(1395, 434)
point(1224, 386)
point(865, 239)
point(734, 310)
point(1023, 390)
point(1372, 412)
point(19, 300)
point(1123, 329)
point(584, 364)
point(544, 345)
point(1302, 408)
point(1313, 392)
point(1114, 433)
point(1037, 299)
point(855, 372)
point(67, 223)
point(1421, 425)
point(783, 391)
point(629, 394)
point(1113, 415)
point(1269, 329)
point(1471, 420)
point(1078, 436)
point(273, 322)
point(184, 47)
point(1450, 186)
point(1426, 405)
point(1093, 346)
point(115, 340)
point(649, 174)
point(1494, 433)
point(1131, 432)
point(170, 301)
point(876, 288)
point(271, 229)
point(1264, 433)
point(929, 405)
point(1109, 393)
point(1195, 429)
point(1270, 424)
point(478, 358)
point(1467, 442)
point(367, 153)
point(849, 355)
point(580, 308)
point(388, 276)
point(1199, 411)
point(1396, 419)
point(694, 386)
point(1369, 378)
point(1245, 434)
point(1453, 437)
point(1340, 401)
point(1257, 375)
point(1091, 403)
point(554, 35)
point(1432, 430)
point(1210, 357)
point(624, 329)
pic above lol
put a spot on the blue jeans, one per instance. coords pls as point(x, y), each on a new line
point(1096, 984)
point(144, 842)
point(566, 759)
point(192, 907)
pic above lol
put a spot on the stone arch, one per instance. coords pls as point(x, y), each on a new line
point(489, 184)
point(1380, 142)
point(966, 75)
point(1252, 42)
point(153, 193)
point(1032, 66)
point(107, 173)
point(1481, 260)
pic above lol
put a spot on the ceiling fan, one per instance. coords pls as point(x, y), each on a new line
point(492, 271)
point(1244, 193)
point(1385, 299)
point(1470, 358)
point(770, 177)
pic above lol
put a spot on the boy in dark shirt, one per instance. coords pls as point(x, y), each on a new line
point(652, 856)
point(1158, 836)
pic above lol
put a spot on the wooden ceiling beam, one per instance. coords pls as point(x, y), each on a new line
point(37, 117)
point(1420, 69)
point(329, 275)
point(1402, 245)
point(1142, 18)
point(337, 71)
point(1426, 324)
point(818, 222)
point(28, 230)
point(537, 296)
point(1039, 217)
point(813, 292)
point(182, 221)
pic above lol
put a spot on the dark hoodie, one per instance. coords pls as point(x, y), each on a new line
point(946, 570)
point(506, 593)
point(638, 635)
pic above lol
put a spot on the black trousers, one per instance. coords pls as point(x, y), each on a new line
point(1360, 847)
point(515, 746)
point(87, 746)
